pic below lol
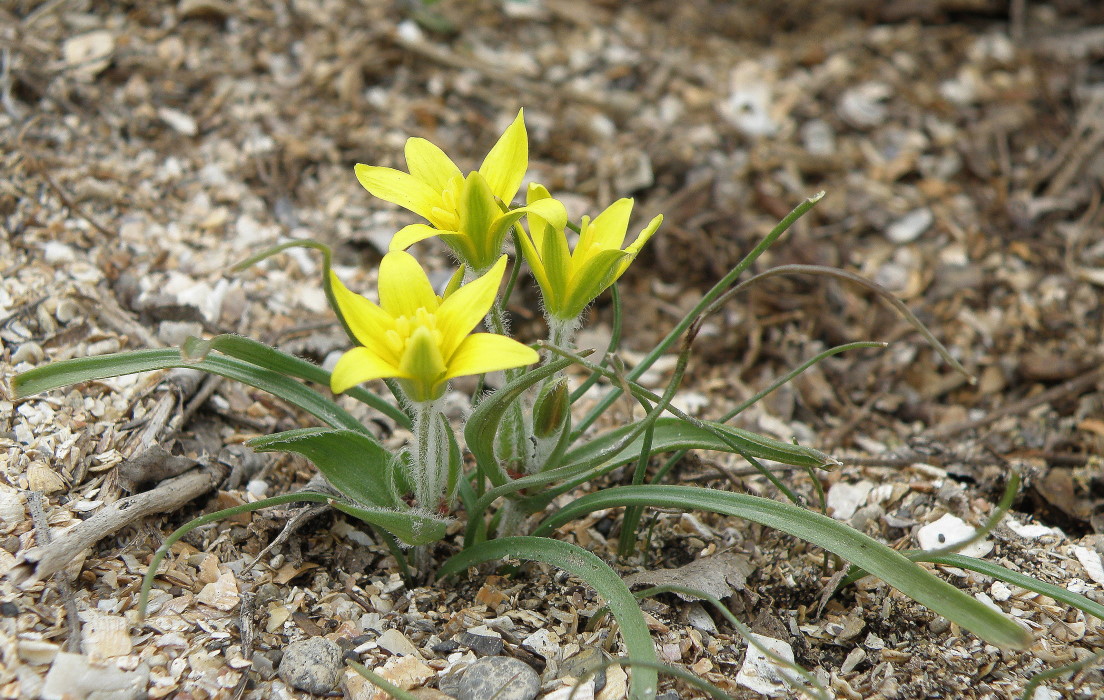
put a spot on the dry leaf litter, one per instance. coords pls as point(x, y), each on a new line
point(148, 147)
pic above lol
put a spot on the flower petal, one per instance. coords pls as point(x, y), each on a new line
point(429, 163)
point(505, 164)
point(360, 365)
point(367, 321)
point(608, 229)
point(398, 187)
point(409, 235)
point(403, 285)
point(590, 280)
point(466, 307)
point(552, 211)
point(634, 249)
point(489, 352)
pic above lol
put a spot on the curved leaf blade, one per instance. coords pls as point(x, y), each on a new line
point(587, 566)
point(829, 534)
point(354, 464)
point(84, 369)
point(269, 357)
point(672, 434)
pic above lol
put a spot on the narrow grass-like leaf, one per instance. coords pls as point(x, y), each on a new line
point(588, 567)
point(389, 688)
point(353, 464)
point(84, 369)
point(269, 357)
point(988, 568)
point(483, 425)
point(673, 434)
point(824, 532)
point(707, 299)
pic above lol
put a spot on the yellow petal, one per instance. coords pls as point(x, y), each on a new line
point(403, 286)
point(634, 249)
point(360, 365)
point(398, 187)
point(367, 321)
point(488, 352)
point(505, 164)
point(429, 163)
point(608, 229)
point(552, 211)
point(409, 235)
point(466, 307)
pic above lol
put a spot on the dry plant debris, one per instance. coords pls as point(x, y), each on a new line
point(147, 147)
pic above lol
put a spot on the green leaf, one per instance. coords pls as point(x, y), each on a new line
point(1075, 600)
point(676, 434)
point(591, 569)
point(484, 422)
point(84, 369)
point(412, 527)
point(270, 358)
point(824, 532)
point(354, 464)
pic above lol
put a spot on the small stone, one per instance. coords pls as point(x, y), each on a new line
point(222, 594)
point(89, 54)
point(312, 665)
point(500, 677)
point(1091, 560)
point(863, 106)
point(856, 657)
point(910, 226)
point(588, 660)
point(480, 644)
point(950, 530)
point(180, 122)
point(74, 676)
point(396, 642)
point(761, 674)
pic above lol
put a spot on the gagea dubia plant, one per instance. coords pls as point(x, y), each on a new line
point(528, 442)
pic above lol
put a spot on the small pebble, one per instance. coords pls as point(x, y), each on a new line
point(312, 665)
point(910, 226)
point(500, 677)
point(480, 644)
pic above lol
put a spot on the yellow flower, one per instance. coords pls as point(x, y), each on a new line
point(570, 280)
point(467, 212)
point(418, 337)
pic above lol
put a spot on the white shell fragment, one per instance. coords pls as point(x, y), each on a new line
point(74, 676)
point(1090, 559)
point(910, 226)
point(762, 675)
point(844, 498)
point(222, 594)
point(950, 530)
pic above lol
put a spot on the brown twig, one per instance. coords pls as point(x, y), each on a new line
point(47, 559)
point(43, 537)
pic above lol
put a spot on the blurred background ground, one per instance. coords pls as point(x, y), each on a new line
point(146, 147)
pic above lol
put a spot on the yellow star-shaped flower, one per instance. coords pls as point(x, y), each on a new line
point(418, 337)
point(466, 212)
point(571, 279)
